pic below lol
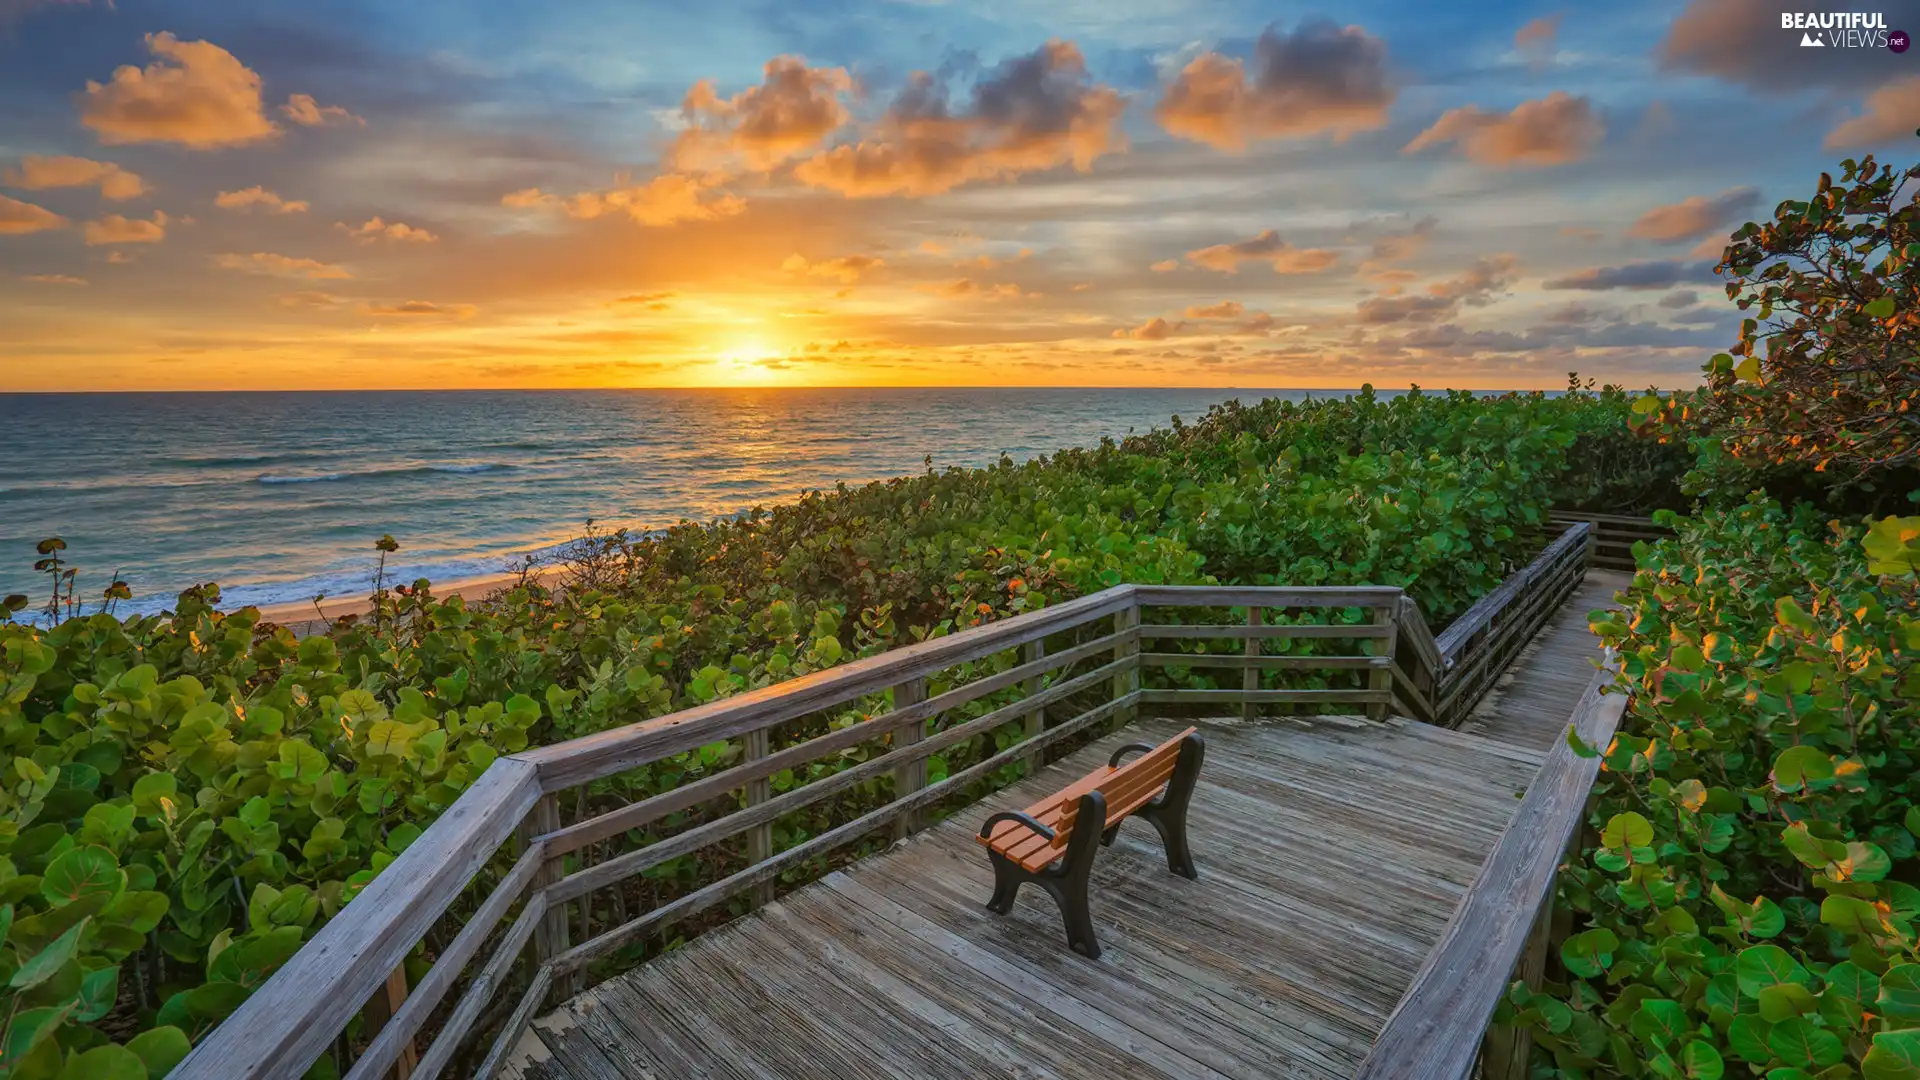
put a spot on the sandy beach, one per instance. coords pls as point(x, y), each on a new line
point(307, 618)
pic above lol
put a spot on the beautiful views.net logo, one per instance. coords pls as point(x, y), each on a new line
point(1841, 29)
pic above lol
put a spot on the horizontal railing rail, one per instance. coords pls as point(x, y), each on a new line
point(1023, 685)
point(1435, 1032)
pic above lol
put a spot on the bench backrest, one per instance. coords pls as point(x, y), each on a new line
point(1126, 788)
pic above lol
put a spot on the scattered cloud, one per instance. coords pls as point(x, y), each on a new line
point(1537, 40)
point(791, 112)
point(1480, 284)
point(1679, 299)
point(960, 287)
point(119, 258)
point(1318, 79)
point(18, 217)
point(311, 298)
point(53, 279)
point(1267, 248)
point(1154, 329)
point(1165, 266)
point(664, 200)
point(248, 198)
point(1033, 112)
point(988, 262)
point(115, 229)
point(1225, 309)
point(421, 309)
point(1694, 216)
point(37, 173)
point(1890, 114)
point(195, 93)
point(844, 268)
point(374, 230)
point(266, 262)
point(1555, 130)
point(1649, 274)
point(302, 109)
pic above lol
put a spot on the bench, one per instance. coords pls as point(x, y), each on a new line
point(1052, 842)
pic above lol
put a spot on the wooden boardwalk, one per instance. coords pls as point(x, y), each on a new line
point(1330, 859)
point(1528, 706)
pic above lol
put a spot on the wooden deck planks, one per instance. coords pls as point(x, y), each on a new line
point(1530, 705)
point(1330, 859)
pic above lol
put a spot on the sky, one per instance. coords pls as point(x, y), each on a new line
point(199, 194)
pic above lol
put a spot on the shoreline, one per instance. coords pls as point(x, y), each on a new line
point(302, 618)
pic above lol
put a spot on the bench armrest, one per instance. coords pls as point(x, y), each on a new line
point(986, 830)
point(1114, 761)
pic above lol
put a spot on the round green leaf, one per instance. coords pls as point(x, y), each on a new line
point(1628, 830)
point(1895, 1056)
point(1799, 766)
point(1702, 1061)
point(1800, 1044)
point(1900, 992)
point(1590, 953)
point(80, 873)
point(1761, 966)
point(161, 1048)
point(109, 1062)
point(42, 965)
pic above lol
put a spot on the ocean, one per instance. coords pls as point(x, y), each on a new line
point(280, 496)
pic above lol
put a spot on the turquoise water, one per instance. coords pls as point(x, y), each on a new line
point(279, 496)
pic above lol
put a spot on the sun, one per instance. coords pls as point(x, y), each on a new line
point(747, 350)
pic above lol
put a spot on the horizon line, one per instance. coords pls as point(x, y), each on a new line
point(654, 389)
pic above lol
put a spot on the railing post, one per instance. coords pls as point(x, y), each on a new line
point(380, 1008)
point(1250, 682)
point(1036, 651)
point(760, 837)
point(911, 777)
point(1380, 678)
point(1127, 680)
point(550, 937)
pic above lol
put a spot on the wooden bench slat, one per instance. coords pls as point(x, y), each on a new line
point(1126, 789)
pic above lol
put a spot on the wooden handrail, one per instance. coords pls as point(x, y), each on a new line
point(285, 1026)
point(1434, 1033)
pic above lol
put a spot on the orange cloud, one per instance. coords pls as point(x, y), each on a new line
point(968, 287)
point(1891, 113)
point(845, 268)
point(1165, 266)
point(53, 279)
point(310, 298)
point(1225, 309)
point(664, 200)
point(1265, 248)
point(1034, 112)
point(302, 109)
point(38, 173)
point(18, 217)
point(1536, 40)
point(118, 258)
point(248, 198)
point(1555, 130)
point(115, 229)
point(265, 262)
point(375, 229)
point(421, 309)
point(792, 111)
point(1694, 216)
point(1154, 329)
point(195, 93)
point(1318, 79)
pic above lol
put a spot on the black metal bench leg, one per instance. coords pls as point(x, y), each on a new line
point(1169, 812)
point(1068, 882)
point(1007, 877)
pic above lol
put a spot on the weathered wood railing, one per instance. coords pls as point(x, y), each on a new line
point(1499, 928)
point(1016, 677)
point(1613, 535)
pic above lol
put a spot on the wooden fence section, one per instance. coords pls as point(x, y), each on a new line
point(1435, 1033)
point(1613, 535)
point(1014, 688)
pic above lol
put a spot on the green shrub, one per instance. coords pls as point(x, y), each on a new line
point(186, 797)
point(1749, 903)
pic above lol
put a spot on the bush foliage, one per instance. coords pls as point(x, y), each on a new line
point(187, 796)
